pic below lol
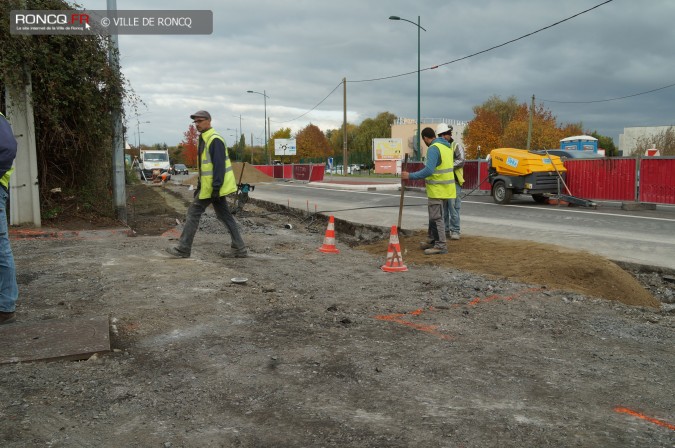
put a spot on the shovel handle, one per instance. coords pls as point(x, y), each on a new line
point(400, 206)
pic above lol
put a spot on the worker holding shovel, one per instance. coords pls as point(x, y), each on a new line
point(440, 186)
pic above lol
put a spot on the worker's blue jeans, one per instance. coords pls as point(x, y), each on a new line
point(451, 212)
point(9, 291)
point(194, 213)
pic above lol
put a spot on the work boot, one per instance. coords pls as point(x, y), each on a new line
point(236, 253)
point(448, 234)
point(176, 253)
point(6, 318)
point(428, 244)
point(435, 251)
point(454, 236)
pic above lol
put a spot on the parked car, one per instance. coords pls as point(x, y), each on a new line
point(179, 168)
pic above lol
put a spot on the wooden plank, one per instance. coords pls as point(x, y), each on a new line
point(54, 339)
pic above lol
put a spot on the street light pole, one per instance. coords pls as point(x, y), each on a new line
point(241, 131)
point(419, 27)
point(264, 94)
point(138, 130)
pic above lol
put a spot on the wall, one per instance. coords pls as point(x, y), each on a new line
point(628, 140)
point(405, 129)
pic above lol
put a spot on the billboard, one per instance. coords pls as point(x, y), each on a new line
point(284, 147)
point(387, 148)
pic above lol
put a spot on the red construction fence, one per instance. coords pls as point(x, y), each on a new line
point(606, 179)
point(310, 172)
point(649, 179)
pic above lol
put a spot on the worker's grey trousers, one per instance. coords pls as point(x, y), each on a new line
point(437, 223)
point(194, 214)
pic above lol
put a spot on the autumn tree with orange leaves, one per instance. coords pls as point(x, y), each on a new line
point(189, 145)
point(505, 123)
point(312, 143)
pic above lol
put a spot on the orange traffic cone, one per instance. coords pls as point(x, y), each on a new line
point(394, 261)
point(329, 240)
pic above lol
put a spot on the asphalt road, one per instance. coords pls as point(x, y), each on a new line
point(643, 237)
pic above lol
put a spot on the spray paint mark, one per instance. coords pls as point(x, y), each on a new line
point(645, 417)
point(429, 329)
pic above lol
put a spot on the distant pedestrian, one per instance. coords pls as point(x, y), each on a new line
point(440, 186)
point(452, 206)
point(9, 290)
point(216, 180)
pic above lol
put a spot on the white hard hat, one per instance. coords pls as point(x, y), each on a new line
point(443, 128)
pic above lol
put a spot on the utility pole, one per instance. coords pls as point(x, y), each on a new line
point(529, 127)
point(119, 189)
point(267, 138)
point(344, 126)
point(24, 191)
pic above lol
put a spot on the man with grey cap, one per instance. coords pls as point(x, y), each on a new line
point(216, 180)
point(452, 206)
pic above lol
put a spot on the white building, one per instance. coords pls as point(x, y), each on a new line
point(406, 128)
point(628, 140)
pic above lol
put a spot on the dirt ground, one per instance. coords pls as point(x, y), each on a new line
point(491, 344)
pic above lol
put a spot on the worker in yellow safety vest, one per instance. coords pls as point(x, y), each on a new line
point(452, 206)
point(216, 180)
point(440, 186)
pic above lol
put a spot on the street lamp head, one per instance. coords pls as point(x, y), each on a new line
point(250, 91)
point(394, 18)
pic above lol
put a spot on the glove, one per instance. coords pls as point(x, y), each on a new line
point(215, 194)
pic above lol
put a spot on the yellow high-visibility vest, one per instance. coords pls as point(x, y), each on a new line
point(441, 184)
point(206, 168)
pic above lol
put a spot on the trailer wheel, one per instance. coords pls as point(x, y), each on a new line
point(501, 194)
point(540, 199)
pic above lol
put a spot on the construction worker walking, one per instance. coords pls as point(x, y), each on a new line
point(216, 180)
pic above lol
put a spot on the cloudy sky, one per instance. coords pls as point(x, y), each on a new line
point(299, 51)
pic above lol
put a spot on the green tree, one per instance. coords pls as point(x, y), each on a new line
point(370, 128)
point(336, 139)
point(74, 92)
point(606, 143)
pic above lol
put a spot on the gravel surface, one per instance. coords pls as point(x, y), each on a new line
point(327, 350)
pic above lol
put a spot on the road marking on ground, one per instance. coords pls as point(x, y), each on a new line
point(644, 417)
point(493, 297)
point(430, 329)
point(398, 318)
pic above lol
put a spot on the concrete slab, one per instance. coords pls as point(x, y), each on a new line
point(635, 206)
point(54, 339)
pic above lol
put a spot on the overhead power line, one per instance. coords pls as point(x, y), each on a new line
point(610, 99)
point(491, 48)
point(319, 104)
point(454, 60)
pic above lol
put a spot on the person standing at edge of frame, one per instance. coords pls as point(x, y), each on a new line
point(9, 290)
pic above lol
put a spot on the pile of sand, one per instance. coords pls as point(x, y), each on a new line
point(529, 262)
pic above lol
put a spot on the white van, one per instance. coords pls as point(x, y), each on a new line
point(152, 160)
